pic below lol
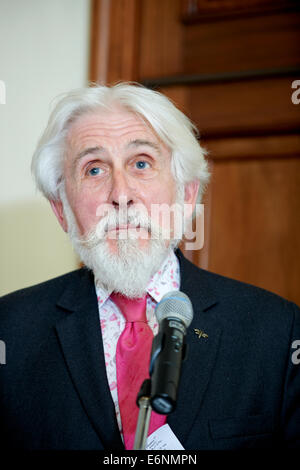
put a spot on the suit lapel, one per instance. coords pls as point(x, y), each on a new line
point(197, 368)
point(80, 337)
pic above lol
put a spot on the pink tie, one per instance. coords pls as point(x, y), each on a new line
point(132, 360)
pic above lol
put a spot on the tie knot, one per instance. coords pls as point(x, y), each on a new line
point(132, 309)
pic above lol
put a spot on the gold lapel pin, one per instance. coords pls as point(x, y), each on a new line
point(200, 333)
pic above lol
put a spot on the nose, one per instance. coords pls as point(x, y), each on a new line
point(121, 194)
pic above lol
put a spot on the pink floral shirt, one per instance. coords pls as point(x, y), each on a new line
point(112, 321)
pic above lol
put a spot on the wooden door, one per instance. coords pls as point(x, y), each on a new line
point(233, 67)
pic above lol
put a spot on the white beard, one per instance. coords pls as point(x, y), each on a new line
point(129, 269)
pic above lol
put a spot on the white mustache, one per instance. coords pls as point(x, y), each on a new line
point(115, 220)
point(132, 218)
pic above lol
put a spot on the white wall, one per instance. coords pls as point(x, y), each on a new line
point(44, 51)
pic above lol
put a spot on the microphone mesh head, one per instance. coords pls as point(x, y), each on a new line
point(175, 304)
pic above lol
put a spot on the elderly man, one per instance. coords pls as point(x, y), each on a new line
point(78, 346)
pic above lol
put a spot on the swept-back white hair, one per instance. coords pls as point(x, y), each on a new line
point(170, 124)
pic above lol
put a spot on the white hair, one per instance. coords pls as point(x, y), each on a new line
point(171, 125)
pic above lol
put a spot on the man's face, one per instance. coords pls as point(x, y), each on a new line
point(116, 170)
point(114, 159)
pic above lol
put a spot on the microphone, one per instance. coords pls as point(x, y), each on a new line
point(174, 313)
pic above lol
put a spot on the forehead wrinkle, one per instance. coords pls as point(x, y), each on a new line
point(142, 142)
point(87, 132)
point(116, 121)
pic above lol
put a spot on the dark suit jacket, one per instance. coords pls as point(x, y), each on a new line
point(239, 387)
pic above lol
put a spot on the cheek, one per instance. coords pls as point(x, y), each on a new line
point(85, 208)
point(159, 200)
point(161, 191)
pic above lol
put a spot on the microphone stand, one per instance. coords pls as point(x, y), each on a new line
point(143, 402)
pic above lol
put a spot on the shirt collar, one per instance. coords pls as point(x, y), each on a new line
point(166, 279)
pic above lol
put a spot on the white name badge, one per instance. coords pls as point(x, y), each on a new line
point(163, 439)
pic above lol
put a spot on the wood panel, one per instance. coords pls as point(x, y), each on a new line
point(229, 66)
point(169, 47)
point(258, 147)
point(254, 232)
point(161, 41)
point(115, 40)
point(242, 107)
point(252, 43)
point(123, 43)
point(99, 37)
point(208, 10)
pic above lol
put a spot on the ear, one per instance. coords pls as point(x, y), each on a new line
point(190, 197)
point(191, 192)
point(57, 207)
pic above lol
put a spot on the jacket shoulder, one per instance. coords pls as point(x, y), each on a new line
point(36, 301)
point(41, 289)
point(237, 298)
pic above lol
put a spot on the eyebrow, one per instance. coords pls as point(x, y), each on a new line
point(87, 151)
point(140, 142)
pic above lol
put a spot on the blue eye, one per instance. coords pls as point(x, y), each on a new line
point(141, 165)
point(94, 171)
